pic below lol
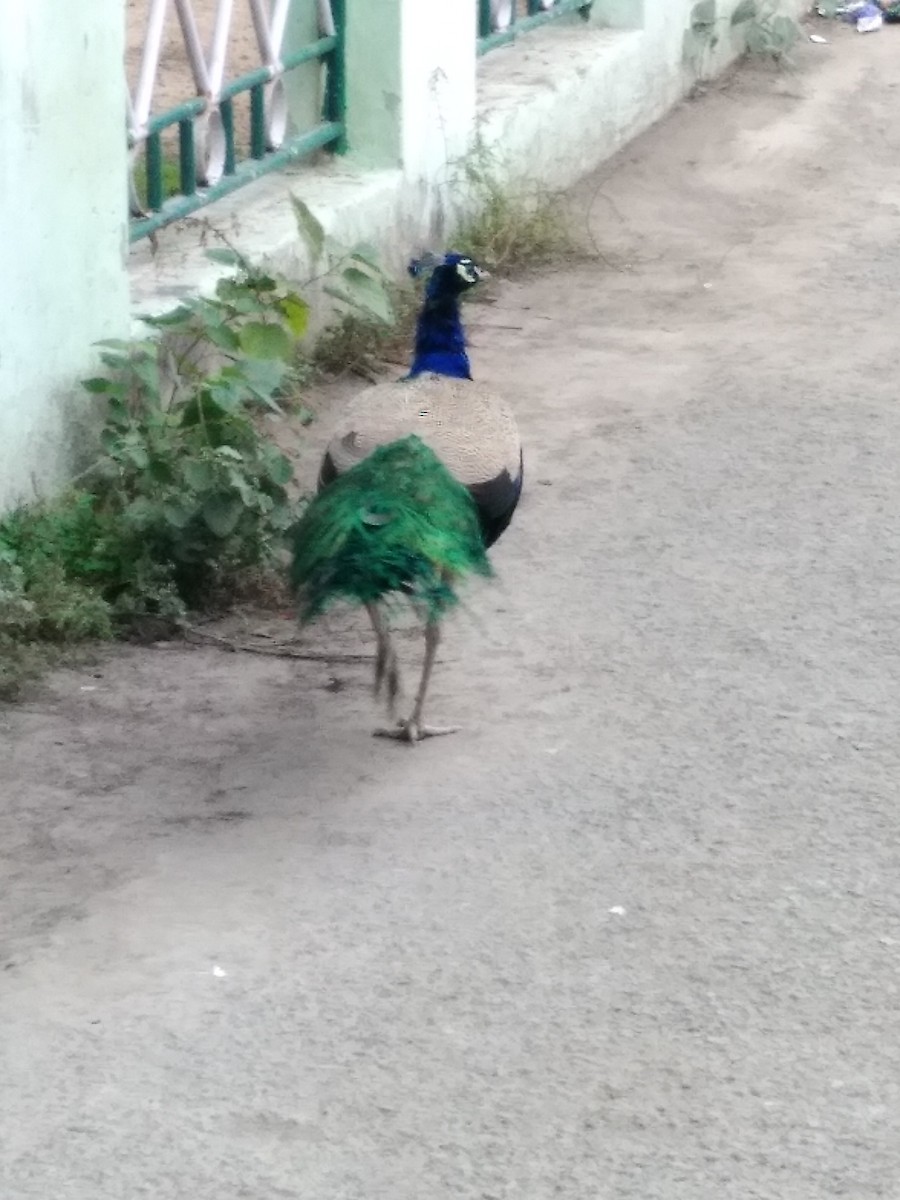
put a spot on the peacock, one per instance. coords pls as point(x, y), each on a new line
point(419, 478)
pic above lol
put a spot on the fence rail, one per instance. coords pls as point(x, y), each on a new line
point(501, 21)
point(170, 180)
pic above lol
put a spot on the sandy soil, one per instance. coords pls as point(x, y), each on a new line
point(634, 932)
point(174, 79)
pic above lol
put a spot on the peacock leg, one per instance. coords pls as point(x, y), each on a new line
point(412, 730)
point(387, 673)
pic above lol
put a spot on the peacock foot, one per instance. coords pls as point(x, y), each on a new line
point(411, 731)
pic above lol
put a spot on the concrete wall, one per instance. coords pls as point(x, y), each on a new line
point(563, 103)
point(552, 106)
point(62, 203)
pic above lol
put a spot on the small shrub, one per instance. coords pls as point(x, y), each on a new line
point(769, 32)
point(189, 501)
point(192, 487)
point(360, 343)
point(515, 224)
point(171, 179)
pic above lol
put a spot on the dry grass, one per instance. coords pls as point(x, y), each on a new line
point(360, 345)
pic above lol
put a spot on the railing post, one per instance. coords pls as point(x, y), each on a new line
point(302, 86)
point(336, 85)
point(410, 68)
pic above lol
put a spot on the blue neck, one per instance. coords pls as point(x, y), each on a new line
point(440, 341)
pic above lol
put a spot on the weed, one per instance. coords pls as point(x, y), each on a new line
point(189, 501)
point(515, 224)
point(359, 343)
point(192, 488)
point(171, 180)
point(41, 609)
point(769, 33)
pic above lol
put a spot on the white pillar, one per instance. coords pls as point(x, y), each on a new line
point(410, 84)
point(63, 207)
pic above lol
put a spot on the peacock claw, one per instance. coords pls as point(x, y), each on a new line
point(410, 731)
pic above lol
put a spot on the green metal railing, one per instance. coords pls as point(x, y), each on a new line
point(535, 16)
point(174, 191)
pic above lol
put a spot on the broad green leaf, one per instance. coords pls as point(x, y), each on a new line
point(225, 393)
point(282, 516)
point(98, 384)
point(141, 512)
point(118, 414)
point(368, 254)
point(261, 283)
point(785, 32)
point(279, 469)
point(223, 336)
point(262, 377)
point(367, 293)
point(296, 313)
point(222, 512)
point(118, 362)
point(110, 440)
point(208, 309)
point(176, 316)
point(247, 494)
point(161, 471)
point(309, 228)
point(199, 475)
point(248, 302)
point(137, 454)
point(757, 40)
point(259, 340)
point(147, 371)
point(177, 513)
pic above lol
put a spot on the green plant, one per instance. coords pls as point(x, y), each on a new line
point(360, 343)
point(189, 499)
point(192, 487)
point(373, 317)
point(769, 33)
point(509, 224)
point(171, 179)
point(41, 607)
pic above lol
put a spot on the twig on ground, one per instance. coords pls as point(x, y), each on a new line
point(283, 651)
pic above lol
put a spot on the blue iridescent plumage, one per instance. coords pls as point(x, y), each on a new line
point(440, 345)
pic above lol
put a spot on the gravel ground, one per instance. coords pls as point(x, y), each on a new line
point(632, 934)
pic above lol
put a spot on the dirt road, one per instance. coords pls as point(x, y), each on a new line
point(635, 933)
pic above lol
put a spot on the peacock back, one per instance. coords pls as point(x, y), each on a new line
point(469, 427)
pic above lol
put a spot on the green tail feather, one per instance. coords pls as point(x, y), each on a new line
point(397, 521)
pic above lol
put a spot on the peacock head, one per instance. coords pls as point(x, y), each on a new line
point(450, 276)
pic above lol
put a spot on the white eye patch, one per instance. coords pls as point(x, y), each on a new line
point(467, 270)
